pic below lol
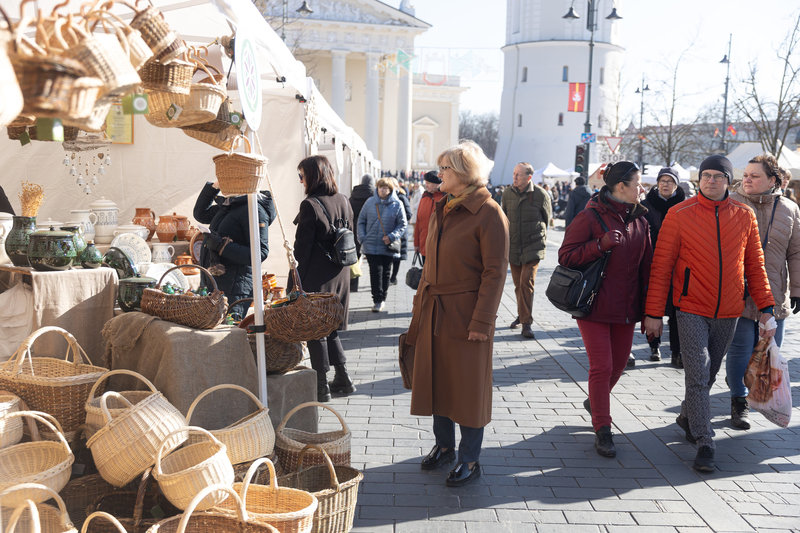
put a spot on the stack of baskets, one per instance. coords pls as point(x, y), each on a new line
point(195, 311)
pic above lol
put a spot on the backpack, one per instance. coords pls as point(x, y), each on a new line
point(342, 250)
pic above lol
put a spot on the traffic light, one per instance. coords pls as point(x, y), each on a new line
point(580, 159)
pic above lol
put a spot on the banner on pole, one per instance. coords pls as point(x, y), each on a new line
point(577, 94)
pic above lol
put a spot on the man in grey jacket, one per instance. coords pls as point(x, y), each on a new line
point(577, 200)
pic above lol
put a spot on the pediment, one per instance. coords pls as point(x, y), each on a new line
point(425, 122)
point(352, 11)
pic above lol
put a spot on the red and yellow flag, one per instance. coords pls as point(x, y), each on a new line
point(577, 94)
point(731, 129)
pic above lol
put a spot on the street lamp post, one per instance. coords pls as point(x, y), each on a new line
point(641, 90)
point(727, 61)
point(304, 9)
point(591, 25)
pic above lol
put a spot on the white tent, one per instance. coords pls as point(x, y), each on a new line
point(744, 152)
point(550, 174)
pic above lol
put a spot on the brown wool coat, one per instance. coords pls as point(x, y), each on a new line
point(460, 291)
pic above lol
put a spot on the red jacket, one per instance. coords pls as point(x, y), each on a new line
point(621, 296)
point(424, 210)
point(707, 248)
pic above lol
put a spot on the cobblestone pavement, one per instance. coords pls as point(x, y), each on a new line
point(540, 470)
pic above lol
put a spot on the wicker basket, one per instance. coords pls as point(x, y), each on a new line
point(311, 316)
point(205, 98)
point(93, 521)
point(126, 446)
point(41, 517)
point(70, 133)
point(262, 474)
point(10, 94)
point(184, 472)
point(221, 121)
point(247, 439)
point(280, 357)
point(58, 387)
point(80, 493)
point(95, 419)
point(212, 522)
point(290, 442)
point(42, 461)
point(201, 312)
point(94, 122)
point(288, 510)
point(173, 77)
point(159, 104)
point(239, 173)
point(222, 139)
point(336, 490)
point(138, 51)
point(11, 429)
point(155, 31)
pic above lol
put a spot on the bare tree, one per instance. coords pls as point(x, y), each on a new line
point(481, 128)
point(774, 115)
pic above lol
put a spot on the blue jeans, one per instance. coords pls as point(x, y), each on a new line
point(744, 341)
point(469, 449)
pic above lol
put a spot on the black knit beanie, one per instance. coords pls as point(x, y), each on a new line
point(717, 162)
point(433, 177)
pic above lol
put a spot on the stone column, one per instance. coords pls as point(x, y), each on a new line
point(372, 115)
point(338, 79)
point(453, 139)
point(404, 121)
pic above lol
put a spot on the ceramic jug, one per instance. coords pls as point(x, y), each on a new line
point(181, 226)
point(145, 217)
point(91, 256)
point(77, 238)
point(162, 252)
point(6, 223)
point(107, 214)
point(86, 219)
point(165, 229)
point(18, 238)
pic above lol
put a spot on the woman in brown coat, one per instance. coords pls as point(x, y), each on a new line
point(455, 309)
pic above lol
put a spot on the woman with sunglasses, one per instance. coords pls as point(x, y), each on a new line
point(607, 331)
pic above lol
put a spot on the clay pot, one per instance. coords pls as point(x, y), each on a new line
point(145, 217)
point(165, 229)
point(181, 226)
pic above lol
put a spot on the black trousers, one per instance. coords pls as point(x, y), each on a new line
point(326, 352)
point(395, 269)
point(380, 272)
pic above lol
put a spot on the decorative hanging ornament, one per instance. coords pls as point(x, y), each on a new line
point(87, 190)
point(102, 170)
point(95, 181)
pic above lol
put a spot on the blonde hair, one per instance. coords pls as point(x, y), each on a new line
point(468, 162)
point(385, 182)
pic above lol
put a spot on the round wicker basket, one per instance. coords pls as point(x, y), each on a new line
point(40, 516)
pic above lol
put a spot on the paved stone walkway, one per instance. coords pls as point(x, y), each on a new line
point(540, 470)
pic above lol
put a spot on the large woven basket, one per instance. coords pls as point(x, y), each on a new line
point(55, 386)
point(172, 77)
point(155, 31)
point(82, 492)
point(10, 94)
point(201, 312)
point(214, 521)
point(187, 470)
point(219, 123)
point(205, 98)
point(336, 490)
point(288, 510)
point(138, 50)
point(239, 173)
point(11, 429)
point(41, 461)
point(279, 357)
point(222, 139)
point(246, 439)
point(94, 121)
point(40, 517)
point(95, 419)
point(311, 316)
point(290, 442)
point(124, 448)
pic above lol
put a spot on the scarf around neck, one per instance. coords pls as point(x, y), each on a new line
point(454, 201)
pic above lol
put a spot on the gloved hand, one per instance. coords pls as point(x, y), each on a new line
point(214, 242)
point(611, 239)
point(795, 304)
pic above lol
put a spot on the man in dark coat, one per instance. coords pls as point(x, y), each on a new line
point(403, 197)
point(226, 250)
point(577, 200)
point(360, 194)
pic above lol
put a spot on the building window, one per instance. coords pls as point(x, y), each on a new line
point(515, 9)
point(602, 75)
point(561, 119)
point(524, 74)
point(519, 120)
point(565, 73)
point(348, 91)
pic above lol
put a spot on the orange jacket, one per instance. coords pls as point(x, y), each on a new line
point(707, 248)
point(424, 211)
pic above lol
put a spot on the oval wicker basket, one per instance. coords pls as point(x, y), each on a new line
point(311, 316)
point(172, 77)
point(288, 510)
point(222, 139)
point(336, 490)
point(127, 445)
point(201, 312)
point(10, 430)
point(204, 100)
point(80, 493)
point(50, 519)
point(247, 439)
point(155, 31)
point(239, 173)
point(45, 462)
point(95, 419)
point(90, 525)
point(138, 51)
point(290, 442)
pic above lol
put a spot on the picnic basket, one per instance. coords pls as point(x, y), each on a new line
point(288, 510)
point(239, 173)
point(126, 445)
point(54, 386)
point(95, 419)
point(46, 462)
point(201, 312)
point(247, 439)
point(41, 517)
point(11, 429)
point(290, 442)
point(336, 490)
point(310, 316)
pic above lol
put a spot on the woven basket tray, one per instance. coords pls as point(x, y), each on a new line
point(50, 519)
point(201, 312)
point(290, 442)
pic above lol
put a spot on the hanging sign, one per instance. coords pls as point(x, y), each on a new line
point(248, 76)
point(577, 94)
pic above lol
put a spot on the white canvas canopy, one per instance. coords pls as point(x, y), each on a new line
point(744, 152)
point(550, 174)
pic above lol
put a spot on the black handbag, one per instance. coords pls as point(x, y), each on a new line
point(414, 273)
point(574, 290)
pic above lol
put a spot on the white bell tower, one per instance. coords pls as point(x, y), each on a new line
point(544, 53)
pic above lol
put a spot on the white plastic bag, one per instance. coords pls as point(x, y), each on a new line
point(767, 377)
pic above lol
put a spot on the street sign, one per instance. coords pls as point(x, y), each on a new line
point(613, 143)
point(588, 138)
point(605, 155)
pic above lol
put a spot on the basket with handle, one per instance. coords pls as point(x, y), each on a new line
point(138, 50)
point(335, 487)
point(45, 462)
point(246, 439)
point(41, 517)
point(109, 523)
point(80, 493)
point(127, 445)
point(288, 510)
point(184, 472)
point(205, 97)
point(55, 386)
point(201, 312)
point(11, 429)
point(290, 442)
point(310, 316)
point(222, 139)
point(239, 173)
point(94, 121)
point(155, 31)
point(95, 419)
point(174, 77)
point(280, 357)
point(10, 94)
point(213, 521)
point(220, 122)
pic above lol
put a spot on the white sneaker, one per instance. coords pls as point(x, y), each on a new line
point(378, 307)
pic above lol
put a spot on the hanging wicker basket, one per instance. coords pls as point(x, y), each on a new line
point(155, 31)
point(221, 121)
point(239, 173)
point(10, 94)
point(222, 139)
point(40, 517)
point(201, 312)
point(205, 97)
point(138, 50)
point(95, 418)
point(290, 442)
point(172, 77)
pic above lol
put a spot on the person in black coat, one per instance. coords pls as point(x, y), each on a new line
point(5, 205)
point(226, 250)
point(359, 195)
point(403, 197)
point(577, 200)
point(659, 200)
point(313, 243)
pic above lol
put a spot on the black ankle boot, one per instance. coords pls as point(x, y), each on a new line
point(342, 384)
point(323, 391)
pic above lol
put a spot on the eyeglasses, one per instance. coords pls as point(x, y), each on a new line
point(445, 168)
point(668, 180)
point(713, 177)
point(300, 176)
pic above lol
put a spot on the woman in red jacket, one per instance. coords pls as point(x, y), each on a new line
point(429, 198)
point(608, 330)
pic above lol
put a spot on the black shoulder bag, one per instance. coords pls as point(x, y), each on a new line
point(573, 290)
point(343, 248)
